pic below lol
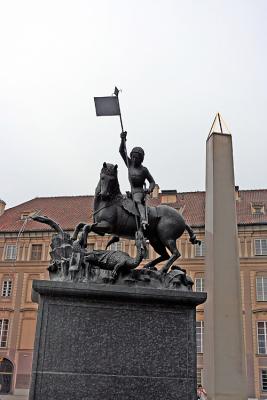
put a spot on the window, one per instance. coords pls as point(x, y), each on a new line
point(199, 376)
point(3, 332)
point(199, 284)
point(261, 288)
point(257, 208)
point(90, 247)
point(36, 253)
point(199, 335)
point(200, 250)
point(11, 252)
point(264, 380)
point(146, 257)
point(262, 337)
point(6, 288)
point(261, 247)
point(116, 246)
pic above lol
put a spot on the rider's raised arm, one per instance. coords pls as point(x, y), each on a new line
point(123, 150)
point(151, 181)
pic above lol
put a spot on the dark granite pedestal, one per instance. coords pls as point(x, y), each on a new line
point(108, 342)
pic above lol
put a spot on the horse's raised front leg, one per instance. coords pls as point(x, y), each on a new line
point(77, 230)
point(86, 230)
point(101, 228)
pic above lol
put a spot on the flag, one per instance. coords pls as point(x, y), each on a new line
point(105, 106)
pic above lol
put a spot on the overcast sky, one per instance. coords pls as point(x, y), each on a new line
point(177, 62)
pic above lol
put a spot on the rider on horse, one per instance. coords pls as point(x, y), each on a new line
point(138, 174)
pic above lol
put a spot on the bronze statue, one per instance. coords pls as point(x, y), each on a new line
point(113, 215)
point(122, 216)
point(70, 261)
point(138, 174)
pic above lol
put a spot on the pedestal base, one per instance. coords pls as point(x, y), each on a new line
point(102, 342)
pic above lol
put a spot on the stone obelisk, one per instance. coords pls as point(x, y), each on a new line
point(224, 358)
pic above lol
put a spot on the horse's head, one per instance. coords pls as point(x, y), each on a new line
point(109, 185)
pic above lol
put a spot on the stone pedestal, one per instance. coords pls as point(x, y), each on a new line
point(103, 342)
point(224, 361)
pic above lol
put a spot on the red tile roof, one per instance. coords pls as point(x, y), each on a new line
point(244, 207)
point(67, 211)
point(70, 210)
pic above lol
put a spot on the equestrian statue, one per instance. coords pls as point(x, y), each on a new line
point(116, 214)
point(127, 216)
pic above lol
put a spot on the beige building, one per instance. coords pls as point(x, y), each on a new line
point(24, 256)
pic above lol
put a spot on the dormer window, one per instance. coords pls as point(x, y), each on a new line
point(257, 208)
point(24, 215)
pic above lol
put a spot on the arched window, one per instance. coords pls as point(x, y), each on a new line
point(6, 374)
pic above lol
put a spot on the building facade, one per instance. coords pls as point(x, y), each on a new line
point(24, 256)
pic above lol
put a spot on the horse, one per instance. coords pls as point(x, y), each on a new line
point(165, 224)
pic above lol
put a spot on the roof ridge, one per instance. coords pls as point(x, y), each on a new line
point(189, 192)
point(48, 197)
point(61, 197)
point(253, 190)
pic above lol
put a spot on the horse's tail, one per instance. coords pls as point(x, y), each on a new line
point(193, 239)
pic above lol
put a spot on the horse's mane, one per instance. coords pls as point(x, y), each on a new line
point(111, 170)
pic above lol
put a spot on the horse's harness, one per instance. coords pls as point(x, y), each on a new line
point(106, 205)
point(102, 208)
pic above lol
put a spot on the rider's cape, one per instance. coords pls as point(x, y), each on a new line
point(130, 206)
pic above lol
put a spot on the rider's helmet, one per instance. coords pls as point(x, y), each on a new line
point(138, 150)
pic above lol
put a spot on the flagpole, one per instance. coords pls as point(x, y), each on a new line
point(107, 106)
point(121, 123)
point(116, 93)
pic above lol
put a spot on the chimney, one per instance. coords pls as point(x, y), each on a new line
point(169, 196)
point(2, 207)
point(237, 194)
point(155, 193)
